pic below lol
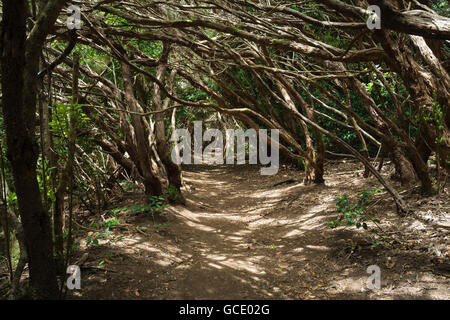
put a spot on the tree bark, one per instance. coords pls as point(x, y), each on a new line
point(20, 61)
point(173, 170)
point(151, 182)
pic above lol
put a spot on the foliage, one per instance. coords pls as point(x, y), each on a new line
point(354, 213)
point(45, 177)
point(160, 227)
point(128, 185)
point(106, 233)
point(172, 193)
point(156, 205)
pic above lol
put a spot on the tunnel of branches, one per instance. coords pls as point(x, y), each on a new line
point(90, 110)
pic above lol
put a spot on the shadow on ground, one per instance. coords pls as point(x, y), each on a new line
point(239, 237)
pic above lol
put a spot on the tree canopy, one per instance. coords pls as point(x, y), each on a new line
point(87, 108)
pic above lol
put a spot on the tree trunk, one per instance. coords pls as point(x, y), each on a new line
point(19, 66)
point(404, 171)
point(428, 90)
point(173, 170)
point(151, 182)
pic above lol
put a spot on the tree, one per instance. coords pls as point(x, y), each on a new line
point(20, 63)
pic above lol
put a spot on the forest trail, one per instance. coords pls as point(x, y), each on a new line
point(241, 237)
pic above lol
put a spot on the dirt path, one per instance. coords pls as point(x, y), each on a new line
point(239, 237)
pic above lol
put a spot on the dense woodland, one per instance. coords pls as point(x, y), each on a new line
point(88, 114)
